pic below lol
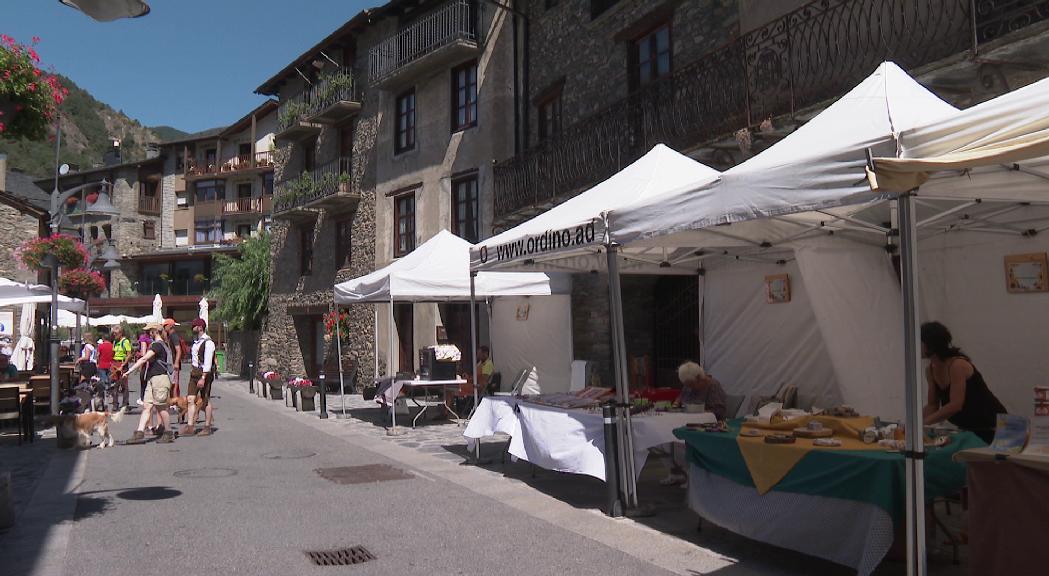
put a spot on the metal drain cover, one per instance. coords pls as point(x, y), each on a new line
point(206, 473)
point(289, 454)
point(363, 474)
point(343, 557)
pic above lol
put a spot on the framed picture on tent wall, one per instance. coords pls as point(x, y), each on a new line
point(777, 288)
point(1027, 273)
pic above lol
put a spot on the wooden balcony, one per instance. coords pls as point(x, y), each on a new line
point(247, 206)
point(328, 188)
point(334, 99)
point(794, 63)
point(149, 204)
point(241, 164)
point(444, 37)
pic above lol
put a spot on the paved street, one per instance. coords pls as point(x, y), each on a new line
point(249, 500)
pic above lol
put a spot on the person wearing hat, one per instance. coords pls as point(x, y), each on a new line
point(200, 378)
point(175, 343)
point(157, 364)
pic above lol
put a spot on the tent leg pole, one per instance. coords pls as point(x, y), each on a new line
point(338, 350)
point(473, 352)
point(625, 452)
point(915, 471)
point(389, 369)
point(375, 341)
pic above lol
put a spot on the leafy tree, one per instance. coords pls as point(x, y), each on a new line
point(242, 284)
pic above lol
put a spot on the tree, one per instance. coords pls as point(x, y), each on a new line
point(242, 284)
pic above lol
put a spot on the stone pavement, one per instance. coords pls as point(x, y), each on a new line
point(26, 463)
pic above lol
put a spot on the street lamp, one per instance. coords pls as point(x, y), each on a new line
point(109, 10)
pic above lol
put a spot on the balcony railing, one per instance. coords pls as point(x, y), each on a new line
point(239, 163)
point(799, 60)
point(244, 206)
point(455, 21)
point(169, 287)
point(291, 113)
point(148, 204)
point(308, 187)
point(334, 97)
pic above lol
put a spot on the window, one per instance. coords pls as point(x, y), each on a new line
point(244, 230)
point(309, 155)
point(550, 116)
point(107, 229)
point(181, 199)
point(404, 138)
point(207, 231)
point(651, 56)
point(244, 152)
point(182, 237)
point(343, 243)
point(465, 208)
point(404, 220)
point(244, 190)
point(149, 230)
point(464, 96)
point(598, 7)
point(210, 158)
point(306, 250)
point(189, 277)
point(180, 160)
point(209, 190)
point(93, 232)
point(267, 184)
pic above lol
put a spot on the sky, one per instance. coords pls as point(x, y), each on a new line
point(191, 64)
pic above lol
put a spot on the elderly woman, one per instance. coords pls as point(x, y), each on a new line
point(698, 387)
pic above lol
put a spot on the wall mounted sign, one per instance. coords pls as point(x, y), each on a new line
point(777, 288)
point(1027, 273)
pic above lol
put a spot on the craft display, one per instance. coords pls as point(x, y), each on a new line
point(780, 439)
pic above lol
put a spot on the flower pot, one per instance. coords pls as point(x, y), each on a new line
point(294, 398)
point(307, 401)
point(276, 393)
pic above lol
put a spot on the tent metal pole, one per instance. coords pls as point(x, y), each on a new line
point(389, 368)
point(473, 350)
point(626, 446)
point(914, 453)
point(375, 340)
point(338, 350)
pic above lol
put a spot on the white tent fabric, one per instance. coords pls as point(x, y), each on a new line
point(25, 348)
point(158, 309)
point(14, 293)
point(821, 165)
point(572, 232)
point(67, 319)
point(437, 271)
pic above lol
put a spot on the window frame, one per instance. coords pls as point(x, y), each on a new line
point(306, 250)
point(398, 216)
point(343, 243)
point(650, 37)
point(473, 206)
point(468, 90)
point(551, 105)
point(409, 118)
point(149, 230)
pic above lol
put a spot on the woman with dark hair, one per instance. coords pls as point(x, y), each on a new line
point(957, 391)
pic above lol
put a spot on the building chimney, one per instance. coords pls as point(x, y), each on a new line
point(152, 150)
point(112, 156)
point(3, 172)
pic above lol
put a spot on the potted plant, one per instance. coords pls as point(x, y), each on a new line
point(68, 250)
point(302, 393)
point(337, 322)
point(81, 283)
point(344, 183)
point(273, 379)
point(28, 95)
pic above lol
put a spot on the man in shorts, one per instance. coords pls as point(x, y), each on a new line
point(157, 364)
point(201, 376)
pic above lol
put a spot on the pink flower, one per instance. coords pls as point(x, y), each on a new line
point(31, 86)
point(36, 39)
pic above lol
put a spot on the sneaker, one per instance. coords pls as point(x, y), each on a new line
point(139, 401)
point(205, 431)
point(159, 431)
point(166, 438)
point(139, 437)
point(187, 430)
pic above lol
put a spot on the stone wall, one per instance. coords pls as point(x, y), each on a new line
point(241, 347)
point(591, 57)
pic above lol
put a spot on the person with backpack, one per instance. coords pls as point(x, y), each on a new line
point(201, 376)
point(179, 349)
point(123, 355)
point(155, 364)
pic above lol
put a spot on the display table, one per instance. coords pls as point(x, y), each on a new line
point(389, 391)
point(840, 505)
point(1008, 512)
point(566, 440)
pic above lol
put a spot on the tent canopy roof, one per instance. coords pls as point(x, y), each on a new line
point(14, 293)
point(439, 270)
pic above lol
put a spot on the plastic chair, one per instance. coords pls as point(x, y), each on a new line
point(41, 395)
point(11, 408)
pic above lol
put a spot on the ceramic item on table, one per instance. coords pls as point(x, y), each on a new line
point(826, 442)
point(843, 411)
point(814, 425)
point(870, 435)
point(780, 439)
point(810, 433)
point(695, 408)
point(750, 433)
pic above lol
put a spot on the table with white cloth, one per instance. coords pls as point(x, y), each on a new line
point(566, 440)
point(390, 389)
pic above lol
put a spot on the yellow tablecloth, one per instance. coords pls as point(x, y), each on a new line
point(769, 463)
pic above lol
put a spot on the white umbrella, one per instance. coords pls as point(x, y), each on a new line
point(23, 355)
point(158, 309)
point(204, 309)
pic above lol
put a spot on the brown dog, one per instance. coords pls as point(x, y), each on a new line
point(85, 425)
point(182, 403)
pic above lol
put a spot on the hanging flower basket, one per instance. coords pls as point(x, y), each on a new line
point(81, 283)
point(67, 249)
point(28, 96)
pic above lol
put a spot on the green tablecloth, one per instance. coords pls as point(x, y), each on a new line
point(866, 476)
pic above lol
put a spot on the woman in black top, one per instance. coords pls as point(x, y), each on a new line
point(957, 391)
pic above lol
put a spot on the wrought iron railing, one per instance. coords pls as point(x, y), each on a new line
point(336, 86)
point(453, 21)
point(799, 60)
point(291, 110)
point(309, 186)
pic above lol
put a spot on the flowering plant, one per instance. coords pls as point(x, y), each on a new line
point(298, 382)
point(28, 96)
point(337, 322)
point(81, 283)
point(67, 249)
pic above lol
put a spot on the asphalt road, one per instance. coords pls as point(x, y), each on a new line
point(248, 500)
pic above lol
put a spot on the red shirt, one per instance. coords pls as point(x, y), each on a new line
point(105, 355)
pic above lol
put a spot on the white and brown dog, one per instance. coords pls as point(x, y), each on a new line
point(84, 426)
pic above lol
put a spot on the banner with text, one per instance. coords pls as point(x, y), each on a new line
point(537, 246)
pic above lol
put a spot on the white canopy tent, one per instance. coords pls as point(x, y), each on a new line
point(25, 348)
point(69, 320)
point(14, 293)
point(439, 271)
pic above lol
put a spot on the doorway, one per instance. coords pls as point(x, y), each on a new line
point(675, 325)
point(404, 319)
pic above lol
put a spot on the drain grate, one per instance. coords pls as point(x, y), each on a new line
point(343, 557)
point(363, 474)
